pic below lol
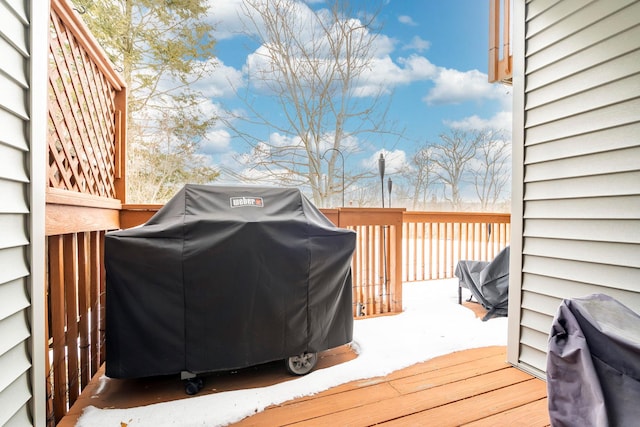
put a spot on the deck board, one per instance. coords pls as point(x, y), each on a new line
point(470, 386)
point(411, 403)
point(474, 407)
point(448, 374)
point(530, 414)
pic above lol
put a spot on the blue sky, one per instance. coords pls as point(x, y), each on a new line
point(436, 59)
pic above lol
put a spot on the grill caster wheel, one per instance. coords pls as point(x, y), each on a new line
point(301, 364)
point(193, 386)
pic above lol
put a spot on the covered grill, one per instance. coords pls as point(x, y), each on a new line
point(224, 277)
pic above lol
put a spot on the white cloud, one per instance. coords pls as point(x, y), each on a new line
point(226, 18)
point(418, 68)
point(221, 83)
point(407, 20)
point(278, 140)
point(385, 74)
point(418, 44)
point(217, 141)
point(500, 121)
point(393, 161)
point(382, 46)
point(455, 87)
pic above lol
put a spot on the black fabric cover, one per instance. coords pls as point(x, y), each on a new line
point(593, 364)
point(488, 282)
point(226, 277)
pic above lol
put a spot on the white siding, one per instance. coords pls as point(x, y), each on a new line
point(577, 180)
point(22, 135)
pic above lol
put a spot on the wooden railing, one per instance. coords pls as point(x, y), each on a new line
point(434, 242)
point(377, 261)
point(86, 152)
point(395, 246)
point(75, 315)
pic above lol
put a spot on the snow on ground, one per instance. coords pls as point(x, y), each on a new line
point(432, 324)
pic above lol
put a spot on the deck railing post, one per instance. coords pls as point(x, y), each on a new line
point(121, 144)
point(87, 108)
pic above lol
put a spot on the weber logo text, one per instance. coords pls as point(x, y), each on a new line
point(241, 202)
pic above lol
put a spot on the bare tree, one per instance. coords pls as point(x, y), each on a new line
point(365, 193)
point(314, 65)
point(418, 173)
point(491, 172)
point(451, 159)
point(164, 163)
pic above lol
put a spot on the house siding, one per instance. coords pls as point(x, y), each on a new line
point(577, 179)
point(23, 130)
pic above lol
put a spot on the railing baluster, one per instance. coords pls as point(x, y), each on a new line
point(102, 285)
point(84, 280)
point(94, 292)
point(371, 289)
point(436, 241)
point(56, 280)
point(70, 284)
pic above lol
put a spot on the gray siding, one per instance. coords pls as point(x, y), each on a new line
point(579, 183)
point(17, 331)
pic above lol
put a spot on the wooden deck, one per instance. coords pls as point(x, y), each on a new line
point(473, 387)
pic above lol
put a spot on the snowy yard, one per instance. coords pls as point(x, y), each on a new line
point(432, 324)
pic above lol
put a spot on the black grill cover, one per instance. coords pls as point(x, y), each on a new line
point(226, 277)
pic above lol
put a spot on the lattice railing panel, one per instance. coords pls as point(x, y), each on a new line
point(82, 132)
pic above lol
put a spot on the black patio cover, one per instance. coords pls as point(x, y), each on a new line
point(224, 277)
point(488, 282)
point(593, 364)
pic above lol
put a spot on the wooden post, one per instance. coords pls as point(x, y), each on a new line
point(121, 144)
point(494, 37)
